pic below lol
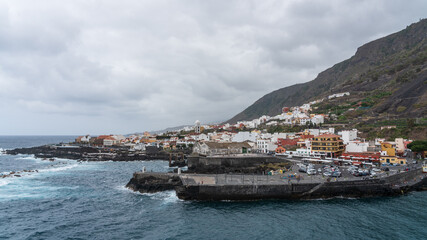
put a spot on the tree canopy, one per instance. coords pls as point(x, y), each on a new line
point(418, 146)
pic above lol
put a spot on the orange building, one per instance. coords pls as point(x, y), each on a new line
point(329, 144)
point(280, 150)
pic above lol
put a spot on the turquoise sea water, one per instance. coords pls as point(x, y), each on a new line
point(68, 200)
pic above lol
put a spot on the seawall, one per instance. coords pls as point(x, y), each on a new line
point(230, 164)
point(214, 187)
point(255, 189)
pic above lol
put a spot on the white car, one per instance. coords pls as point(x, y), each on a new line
point(311, 171)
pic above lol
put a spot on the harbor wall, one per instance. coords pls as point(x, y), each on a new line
point(283, 191)
point(393, 185)
point(208, 187)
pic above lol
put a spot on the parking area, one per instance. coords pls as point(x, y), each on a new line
point(346, 173)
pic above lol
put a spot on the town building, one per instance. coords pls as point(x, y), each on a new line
point(329, 145)
point(245, 136)
point(348, 135)
point(197, 127)
point(215, 148)
point(357, 146)
point(392, 160)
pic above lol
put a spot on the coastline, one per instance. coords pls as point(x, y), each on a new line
point(87, 153)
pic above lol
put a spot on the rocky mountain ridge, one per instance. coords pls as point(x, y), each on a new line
point(393, 67)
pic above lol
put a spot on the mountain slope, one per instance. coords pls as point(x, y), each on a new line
point(395, 64)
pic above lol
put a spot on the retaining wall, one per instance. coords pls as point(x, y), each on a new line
point(226, 164)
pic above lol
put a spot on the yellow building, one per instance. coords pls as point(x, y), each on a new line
point(389, 148)
point(329, 144)
point(392, 160)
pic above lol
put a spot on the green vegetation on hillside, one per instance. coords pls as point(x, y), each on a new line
point(418, 146)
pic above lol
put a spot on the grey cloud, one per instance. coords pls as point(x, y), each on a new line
point(137, 65)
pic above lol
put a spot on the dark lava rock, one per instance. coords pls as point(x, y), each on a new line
point(153, 182)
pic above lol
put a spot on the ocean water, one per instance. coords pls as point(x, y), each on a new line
point(70, 200)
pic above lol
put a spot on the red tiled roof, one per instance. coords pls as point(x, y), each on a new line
point(103, 136)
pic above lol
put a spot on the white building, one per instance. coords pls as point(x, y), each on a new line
point(276, 136)
point(318, 119)
point(85, 139)
point(304, 121)
point(329, 130)
point(315, 132)
point(348, 135)
point(336, 95)
point(201, 137)
point(357, 146)
point(262, 145)
point(271, 123)
point(306, 107)
point(303, 151)
point(265, 145)
point(197, 126)
point(245, 136)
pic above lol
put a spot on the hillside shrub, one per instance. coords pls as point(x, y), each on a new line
point(401, 108)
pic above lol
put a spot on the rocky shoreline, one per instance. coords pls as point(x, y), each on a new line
point(154, 182)
point(85, 153)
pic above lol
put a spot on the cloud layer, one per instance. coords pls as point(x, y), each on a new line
point(76, 67)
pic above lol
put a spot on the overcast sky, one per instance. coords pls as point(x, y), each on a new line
point(78, 67)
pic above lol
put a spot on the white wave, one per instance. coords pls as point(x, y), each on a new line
point(64, 159)
point(58, 169)
point(28, 157)
point(4, 182)
point(125, 189)
point(331, 198)
point(170, 197)
point(165, 196)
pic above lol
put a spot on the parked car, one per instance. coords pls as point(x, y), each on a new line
point(327, 173)
point(336, 174)
point(311, 171)
point(302, 169)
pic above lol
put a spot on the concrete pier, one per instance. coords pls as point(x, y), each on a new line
point(253, 187)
